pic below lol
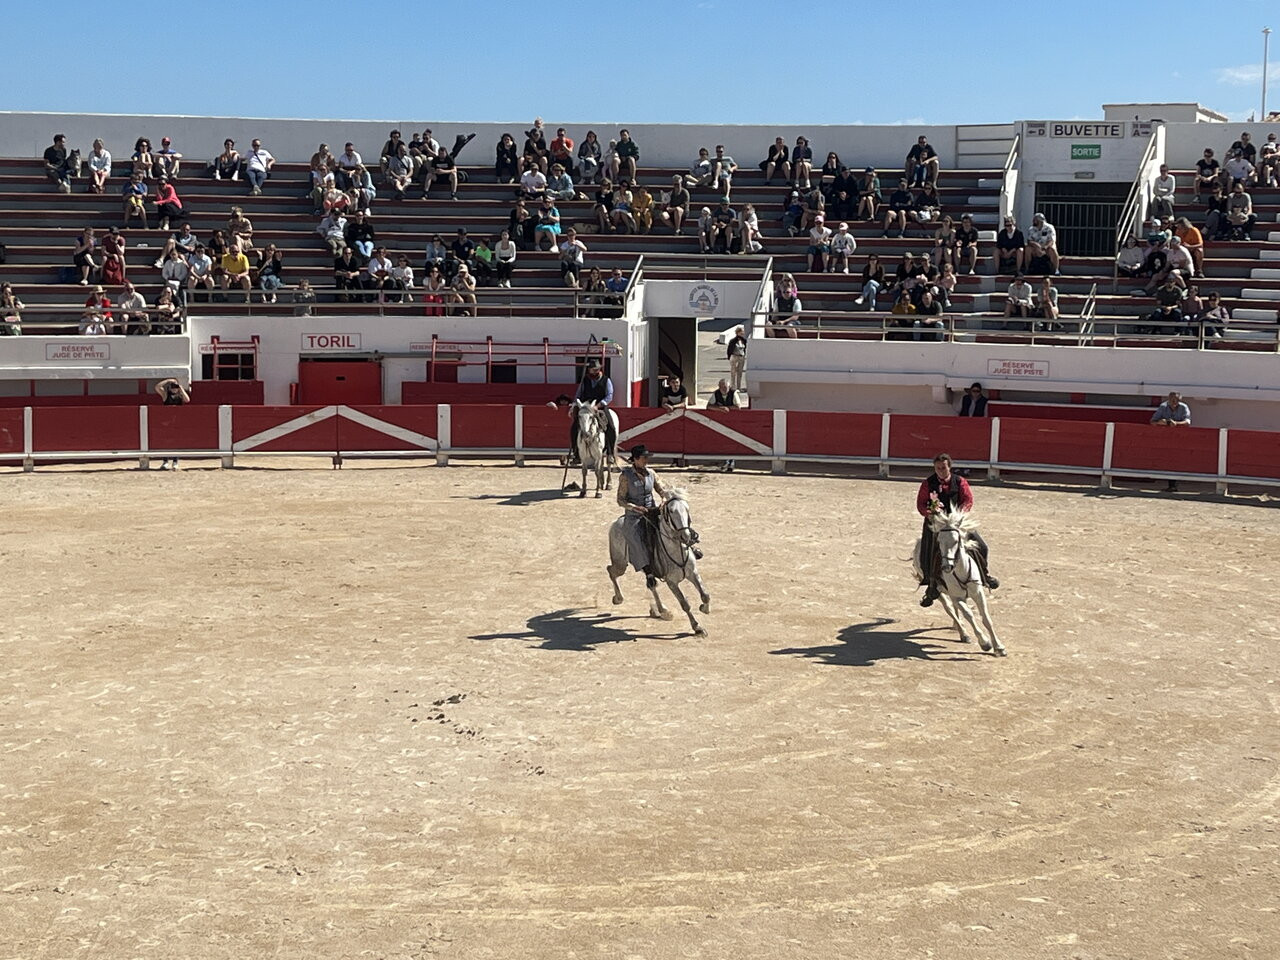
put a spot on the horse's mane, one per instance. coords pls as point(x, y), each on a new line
point(964, 522)
point(677, 493)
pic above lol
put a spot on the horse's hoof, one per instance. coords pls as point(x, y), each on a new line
point(617, 600)
point(667, 615)
point(705, 607)
point(964, 639)
point(701, 632)
point(1001, 652)
point(984, 645)
point(599, 494)
point(582, 494)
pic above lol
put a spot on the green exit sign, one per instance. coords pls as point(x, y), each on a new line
point(1086, 151)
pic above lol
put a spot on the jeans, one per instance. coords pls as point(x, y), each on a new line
point(870, 290)
point(255, 176)
point(364, 248)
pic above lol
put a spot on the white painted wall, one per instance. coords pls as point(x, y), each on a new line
point(281, 343)
point(1227, 389)
point(27, 134)
point(94, 358)
point(672, 298)
point(1049, 158)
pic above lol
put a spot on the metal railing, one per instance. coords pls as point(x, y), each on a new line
point(1132, 214)
point(63, 318)
point(1087, 313)
point(1107, 332)
point(1009, 180)
point(763, 302)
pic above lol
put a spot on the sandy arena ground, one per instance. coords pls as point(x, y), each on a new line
point(389, 712)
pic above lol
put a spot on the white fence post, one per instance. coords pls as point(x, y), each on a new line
point(144, 442)
point(1221, 485)
point(1108, 448)
point(225, 445)
point(993, 457)
point(28, 461)
point(779, 441)
point(520, 435)
point(444, 439)
point(884, 445)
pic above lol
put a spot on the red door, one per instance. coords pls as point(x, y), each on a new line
point(339, 381)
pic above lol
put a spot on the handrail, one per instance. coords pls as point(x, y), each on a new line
point(763, 302)
point(1132, 207)
point(1087, 313)
point(1009, 178)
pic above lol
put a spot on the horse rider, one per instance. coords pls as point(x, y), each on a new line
point(942, 492)
point(637, 485)
point(598, 389)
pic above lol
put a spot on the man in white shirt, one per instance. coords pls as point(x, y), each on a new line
point(257, 166)
point(724, 168)
point(1042, 241)
point(1162, 191)
point(333, 228)
point(348, 160)
point(702, 172)
point(175, 274)
point(133, 311)
point(1238, 170)
point(200, 271)
point(380, 273)
point(533, 183)
point(1018, 303)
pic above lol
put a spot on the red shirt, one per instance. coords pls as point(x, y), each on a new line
point(964, 496)
point(104, 306)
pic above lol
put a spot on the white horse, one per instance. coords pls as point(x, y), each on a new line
point(961, 578)
point(592, 452)
point(674, 561)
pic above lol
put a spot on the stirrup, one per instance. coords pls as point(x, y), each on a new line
point(697, 554)
point(930, 595)
point(992, 582)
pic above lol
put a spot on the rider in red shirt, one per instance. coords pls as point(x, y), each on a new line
point(951, 492)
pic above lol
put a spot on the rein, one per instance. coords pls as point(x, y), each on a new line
point(664, 513)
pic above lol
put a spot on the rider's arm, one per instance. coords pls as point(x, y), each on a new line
point(608, 391)
point(922, 499)
point(966, 495)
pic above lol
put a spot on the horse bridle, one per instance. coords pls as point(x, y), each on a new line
point(664, 513)
point(961, 545)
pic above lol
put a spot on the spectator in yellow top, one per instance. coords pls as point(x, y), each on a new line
point(235, 269)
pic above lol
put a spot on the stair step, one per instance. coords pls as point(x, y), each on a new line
point(1269, 254)
point(1245, 313)
point(1265, 273)
point(989, 183)
point(984, 201)
point(1252, 293)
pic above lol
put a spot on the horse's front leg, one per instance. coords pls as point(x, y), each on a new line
point(696, 579)
point(952, 609)
point(656, 609)
point(599, 483)
point(698, 629)
point(615, 572)
point(980, 601)
point(582, 492)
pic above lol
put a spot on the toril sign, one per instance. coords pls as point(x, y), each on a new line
point(331, 341)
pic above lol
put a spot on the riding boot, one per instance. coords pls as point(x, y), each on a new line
point(930, 594)
point(984, 568)
point(650, 581)
point(697, 553)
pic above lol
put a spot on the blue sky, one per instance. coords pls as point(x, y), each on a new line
point(702, 61)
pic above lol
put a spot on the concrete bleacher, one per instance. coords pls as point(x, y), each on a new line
point(40, 225)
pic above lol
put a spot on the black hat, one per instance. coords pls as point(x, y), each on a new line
point(639, 450)
point(593, 364)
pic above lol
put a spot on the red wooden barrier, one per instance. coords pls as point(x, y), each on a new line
point(923, 438)
point(1057, 442)
point(182, 428)
point(375, 427)
point(482, 425)
point(1253, 453)
point(1177, 449)
point(11, 431)
point(833, 434)
point(1081, 411)
point(741, 433)
point(546, 428)
point(284, 429)
point(657, 429)
point(84, 429)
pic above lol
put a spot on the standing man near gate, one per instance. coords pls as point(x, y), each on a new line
point(594, 388)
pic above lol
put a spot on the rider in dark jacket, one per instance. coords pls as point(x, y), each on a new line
point(594, 388)
point(942, 492)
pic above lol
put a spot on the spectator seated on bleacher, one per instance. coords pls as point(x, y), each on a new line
point(1239, 169)
point(559, 185)
point(82, 256)
point(841, 204)
point(167, 312)
point(1130, 259)
point(379, 275)
point(60, 166)
point(1245, 147)
point(1019, 303)
point(168, 204)
point(332, 229)
point(723, 167)
point(928, 323)
point(422, 147)
point(1240, 215)
point(184, 242)
point(872, 282)
point(815, 206)
point(560, 150)
point(922, 162)
point(270, 272)
point(240, 229)
point(945, 243)
point(590, 158)
point(463, 292)
point(899, 205)
point(167, 161)
point(1166, 320)
point(927, 206)
point(226, 165)
point(535, 145)
point(868, 194)
point(348, 161)
point(749, 234)
point(620, 217)
point(200, 267)
point(967, 245)
point(257, 166)
point(347, 271)
point(235, 270)
point(626, 157)
point(573, 253)
point(1010, 248)
point(777, 160)
point(506, 161)
point(701, 172)
point(787, 308)
point(1162, 191)
point(1041, 254)
point(831, 169)
point(362, 190)
point(1208, 173)
point(819, 245)
point(1168, 295)
point(1046, 305)
point(359, 235)
point(399, 171)
point(323, 157)
point(99, 167)
point(394, 140)
point(1216, 226)
point(843, 247)
point(642, 208)
point(505, 253)
point(132, 307)
point(143, 161)
point(482, 261)
point(175, 272)
point(548, 226)
point(10, 311)
point(443, 168)
point(1214, 317)
point(724, 227)
point(801, 164)
point(1193, 242)
point(1269, 162)
point(133, 197)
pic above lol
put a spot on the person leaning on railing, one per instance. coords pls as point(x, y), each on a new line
point(1214, 316)
point(786, 308)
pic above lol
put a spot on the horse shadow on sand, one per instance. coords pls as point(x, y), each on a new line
point(865, 644)
point(578, 630)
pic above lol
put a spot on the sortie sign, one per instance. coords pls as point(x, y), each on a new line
point(1086, 151)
